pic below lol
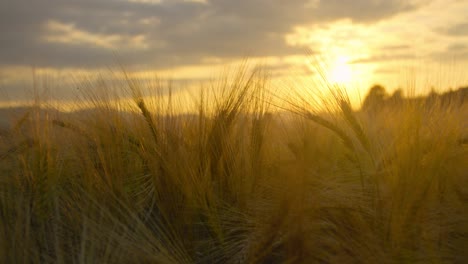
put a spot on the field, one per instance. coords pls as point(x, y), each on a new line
point(237, 181)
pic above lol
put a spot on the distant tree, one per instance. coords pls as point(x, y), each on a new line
point(397, 97)
point(432, 96)
point(375, 98)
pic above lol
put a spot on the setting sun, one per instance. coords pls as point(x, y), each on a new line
point(340, 72)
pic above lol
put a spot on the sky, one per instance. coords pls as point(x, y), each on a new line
point(397, 43)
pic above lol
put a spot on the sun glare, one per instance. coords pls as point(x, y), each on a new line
point(340, 72)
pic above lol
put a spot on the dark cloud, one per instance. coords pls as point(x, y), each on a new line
point(361, 10)
point(174, 32)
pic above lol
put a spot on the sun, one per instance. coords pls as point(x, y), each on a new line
point(340, 72)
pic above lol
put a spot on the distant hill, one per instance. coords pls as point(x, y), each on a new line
point(7, 115)
point(375, 99)
point(10, 115)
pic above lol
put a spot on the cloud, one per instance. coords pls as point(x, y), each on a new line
point(458, 47)
point(452, 53)
point(456, 30)
point(166, 33)
point(386, 58)
point(386, 70)
point(395, 47)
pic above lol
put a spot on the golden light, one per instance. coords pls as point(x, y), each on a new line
point(340, 72)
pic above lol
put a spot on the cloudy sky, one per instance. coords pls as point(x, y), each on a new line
point(362, 41)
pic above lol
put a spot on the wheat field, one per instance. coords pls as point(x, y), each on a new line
point(237, 181)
